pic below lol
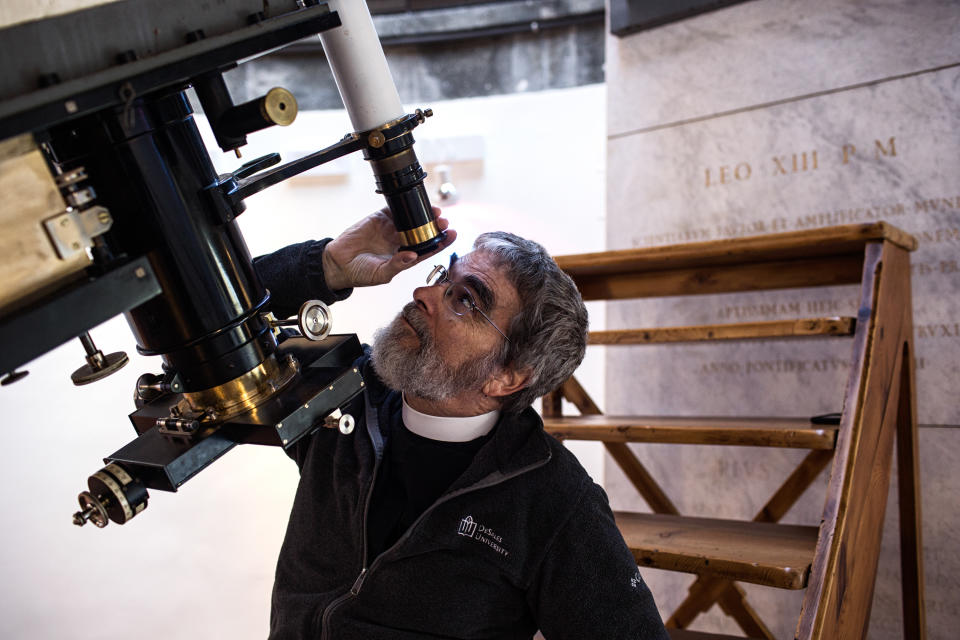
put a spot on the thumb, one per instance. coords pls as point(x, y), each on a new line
point(397, 263)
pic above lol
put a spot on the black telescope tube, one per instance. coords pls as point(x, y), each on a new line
point(399, 178)
point(151, 169)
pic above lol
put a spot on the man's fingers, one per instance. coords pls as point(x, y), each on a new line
point(405, 259)
point(397, 263)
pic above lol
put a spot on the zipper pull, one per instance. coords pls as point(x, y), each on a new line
point(355, 589)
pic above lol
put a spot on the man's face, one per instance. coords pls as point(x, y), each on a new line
point(430, 352)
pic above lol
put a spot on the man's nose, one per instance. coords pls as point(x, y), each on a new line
point(428, 298)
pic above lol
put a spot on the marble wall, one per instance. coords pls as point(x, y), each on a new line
point(776, 116)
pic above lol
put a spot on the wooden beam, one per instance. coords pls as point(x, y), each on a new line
point(723, 278)
point(641, 479)
point(684, 634)
point(837, 602)
point(908, 483)
point(809, 243)
point(575, 393)
point(734, 603)
point(806, 327)
point(551, 404)
point(796, 433)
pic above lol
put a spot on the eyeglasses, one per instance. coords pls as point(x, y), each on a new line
point(457, 297)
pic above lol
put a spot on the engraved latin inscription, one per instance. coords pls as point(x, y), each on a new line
point(941, 208)
point(796, 163)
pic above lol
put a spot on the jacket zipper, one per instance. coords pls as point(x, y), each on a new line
point(358, 583)
point(364, 571)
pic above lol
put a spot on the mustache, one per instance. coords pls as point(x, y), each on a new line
point(414, 316)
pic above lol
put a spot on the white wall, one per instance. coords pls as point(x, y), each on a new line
point(200, 564)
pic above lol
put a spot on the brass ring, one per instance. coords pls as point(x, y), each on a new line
point(421, 234)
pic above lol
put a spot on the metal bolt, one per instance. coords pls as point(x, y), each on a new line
point(71, 106)
point(104, 218)
point(64, 222)
point(376, 139)
point(140, 272)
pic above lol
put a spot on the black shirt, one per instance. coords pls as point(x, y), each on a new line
point(414, 472)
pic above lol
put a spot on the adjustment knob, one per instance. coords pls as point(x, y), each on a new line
point(314, 320)
point(114, 495)
point(98, 365)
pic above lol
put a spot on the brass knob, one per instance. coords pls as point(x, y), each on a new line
point(279, 106)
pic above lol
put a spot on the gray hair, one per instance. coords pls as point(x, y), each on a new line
point(548, 337)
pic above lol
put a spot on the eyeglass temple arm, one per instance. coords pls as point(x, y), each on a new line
point(487, 318)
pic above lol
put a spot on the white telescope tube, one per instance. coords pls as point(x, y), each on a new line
point(370, 96)
point(360, 68)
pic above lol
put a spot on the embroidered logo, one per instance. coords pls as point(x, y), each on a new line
point(470, 528)
point(467, 527)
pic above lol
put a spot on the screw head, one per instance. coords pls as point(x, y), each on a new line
point(376, 139)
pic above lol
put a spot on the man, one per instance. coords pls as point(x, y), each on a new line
point(448, 512)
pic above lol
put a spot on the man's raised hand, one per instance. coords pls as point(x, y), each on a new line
point(368, 252)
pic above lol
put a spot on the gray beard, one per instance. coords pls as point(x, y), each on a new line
point(421, 371)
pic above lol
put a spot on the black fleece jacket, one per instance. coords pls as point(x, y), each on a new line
point(523, 540)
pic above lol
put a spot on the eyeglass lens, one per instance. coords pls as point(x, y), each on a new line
point(459, 299)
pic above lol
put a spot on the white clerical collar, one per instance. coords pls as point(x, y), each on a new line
point(446, 428)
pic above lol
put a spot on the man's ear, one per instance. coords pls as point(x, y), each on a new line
point(505, 382)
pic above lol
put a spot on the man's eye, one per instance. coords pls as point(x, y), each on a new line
point(466, 302)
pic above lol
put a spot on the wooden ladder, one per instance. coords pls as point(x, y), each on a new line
point(836, 562)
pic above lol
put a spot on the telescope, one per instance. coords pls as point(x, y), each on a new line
point(112, 205)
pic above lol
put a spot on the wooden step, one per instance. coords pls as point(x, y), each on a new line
point(839, 240)
point(806, 327)
point(797, 433)
point(774, 555)
point(812, 257)
point(686, 634)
